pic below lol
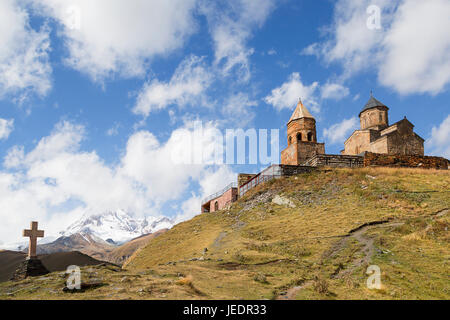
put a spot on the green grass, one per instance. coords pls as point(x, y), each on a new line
point(258, 249)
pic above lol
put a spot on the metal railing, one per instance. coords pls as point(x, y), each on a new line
point(272, 172)
point(221, 192)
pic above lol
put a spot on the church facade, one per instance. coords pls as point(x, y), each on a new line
point(377, 136)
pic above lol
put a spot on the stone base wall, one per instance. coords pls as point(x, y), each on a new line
point(297, 153)
point(306, 150)
point(289, 155)
point(287, 170)
point(385, 160)
point(30, 268)
point(335, 161)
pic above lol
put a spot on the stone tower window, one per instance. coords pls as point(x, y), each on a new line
point(381, 117)
point(299, 136)
point(290, 140)
point(310, 136)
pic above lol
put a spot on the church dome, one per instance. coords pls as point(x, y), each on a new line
point(372, 103)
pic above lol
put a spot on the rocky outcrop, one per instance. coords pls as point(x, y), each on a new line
point(30, 268)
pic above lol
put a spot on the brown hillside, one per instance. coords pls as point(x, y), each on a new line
point(120, 254)
point(10, 260)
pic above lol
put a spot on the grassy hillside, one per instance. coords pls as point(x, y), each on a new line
point(120, 254)
point(310, 236)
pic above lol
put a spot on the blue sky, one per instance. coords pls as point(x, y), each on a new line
point(93, 95)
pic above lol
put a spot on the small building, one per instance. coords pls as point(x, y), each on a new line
point(221, 199)
point(377, 136)
point(302, 138)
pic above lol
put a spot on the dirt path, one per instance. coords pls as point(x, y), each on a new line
point(291, 293)
point(367, 249)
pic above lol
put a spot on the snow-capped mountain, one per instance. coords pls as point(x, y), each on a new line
point(116, 226)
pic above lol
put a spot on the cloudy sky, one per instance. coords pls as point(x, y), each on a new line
point(95, 95)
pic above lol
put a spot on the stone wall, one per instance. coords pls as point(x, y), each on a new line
point(243, 178)
point(287, 170)
point(289, 155)
point(409, 161)
point(303, 126)
point(335, 161)
point(298, 153)
point(374, 118)
point(359, 142)
point(405, 144)
point(306, 150)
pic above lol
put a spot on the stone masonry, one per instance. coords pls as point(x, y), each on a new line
point(335, 161)
point(302, 138)
point(386, 160)
point(377, 136)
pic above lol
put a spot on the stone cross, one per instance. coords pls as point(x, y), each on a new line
point(33, 234)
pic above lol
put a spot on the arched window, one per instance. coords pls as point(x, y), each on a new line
point(310, 136)
point(290, 140)
point(216, 206)
point(299, 136)
point(381, 117)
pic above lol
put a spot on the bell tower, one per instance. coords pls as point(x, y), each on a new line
point(374, 115)
point(302, 137)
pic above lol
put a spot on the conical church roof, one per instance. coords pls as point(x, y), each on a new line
point(300, 112)
point(372, 103)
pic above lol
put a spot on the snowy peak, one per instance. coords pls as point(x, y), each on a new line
point(117, 226)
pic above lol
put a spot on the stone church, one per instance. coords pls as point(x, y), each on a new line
point(377, 136)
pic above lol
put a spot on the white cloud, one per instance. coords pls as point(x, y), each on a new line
point(211, 182)
point(109, 37)
point(339, 132)
point(231, 25)
point(187, 86)
point(439, 143)
point(287, 95)
point(6, 127)
point(57, 181)
point(410, 53)
point(24, 67)
point(417, 48)
point(334, 91)
point(237, 109)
